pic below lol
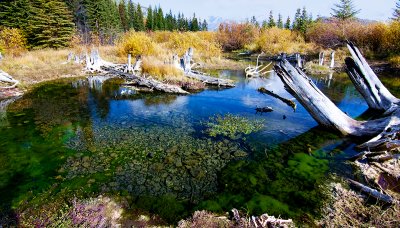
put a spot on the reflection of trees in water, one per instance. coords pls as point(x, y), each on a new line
point(33, 144)
point(159, 99)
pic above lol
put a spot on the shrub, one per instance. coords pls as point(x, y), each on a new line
point(136, 43)
point(234, 36)
point(392, 38)
point(274, 41)
point(12, 41)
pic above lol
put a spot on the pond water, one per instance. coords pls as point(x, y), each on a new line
point(81, 139)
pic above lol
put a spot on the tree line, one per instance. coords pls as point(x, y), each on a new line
point(52, 23)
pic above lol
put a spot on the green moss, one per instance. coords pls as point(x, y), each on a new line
point(232, 126)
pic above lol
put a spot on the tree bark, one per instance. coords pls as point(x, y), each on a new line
point(368, 84)
point(4, 77)
point(323, 110)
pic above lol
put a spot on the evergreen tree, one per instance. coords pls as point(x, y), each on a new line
point(150, 19)
point(271, 20)
point(280, 22)
point(287, 23)
point(131, 14)
point(344, 10)
point(297, 20)
point(204, 26)
point(138, 21)
point(51, 24)
point(264, 24)
point(15, 14)
point(156, 22)
point(160, 19)
point(194, 25)
point(254, 22)
point(123, 15)
point(396, 13)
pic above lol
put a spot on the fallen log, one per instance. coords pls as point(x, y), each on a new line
point(286, 101)
point(209, 80)
point(145, 82)
point(372, 192)
point(368, 84)
point(6, 78)
point(323, 110)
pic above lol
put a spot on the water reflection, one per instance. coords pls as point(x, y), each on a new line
point(97, 136)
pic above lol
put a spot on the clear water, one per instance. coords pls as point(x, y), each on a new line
point(68, 140)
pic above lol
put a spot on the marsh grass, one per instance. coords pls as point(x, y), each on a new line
point(40, 65)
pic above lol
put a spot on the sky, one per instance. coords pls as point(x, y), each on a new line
point(241, 10)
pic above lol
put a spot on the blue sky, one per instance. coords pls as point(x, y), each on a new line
point(241, 9)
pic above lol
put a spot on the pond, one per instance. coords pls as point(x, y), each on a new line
point(79, 139)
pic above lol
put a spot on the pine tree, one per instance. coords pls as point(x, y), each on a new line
point(204, 26)
point(150, 19)
point(50, 24)
point(287, 23)
point(297, 20)
point(271, 20)
point(131, 14)
point(280, 22)
point(344, 10)
point(194, 25)
point(160, 19)
point(396, 13)
point(254, 22)
point(264, 24)
point(138, 19)
point(122, 9)
point(15, 14)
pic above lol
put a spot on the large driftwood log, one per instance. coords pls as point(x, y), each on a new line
point(368, 84)
point(323, 110)
point(4, 77)
point(146, 82)
point(185, 65)
point(209, 80)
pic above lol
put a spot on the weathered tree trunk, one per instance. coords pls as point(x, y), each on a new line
point(321, 58)
point(323, 110)
point(4, 77)
point(368, 84)
point(209, 80)
point(332, 60)
point(146, 82)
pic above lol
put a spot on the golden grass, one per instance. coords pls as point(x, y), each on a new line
point(395, 61)
point(161, 71)
point(40, 65)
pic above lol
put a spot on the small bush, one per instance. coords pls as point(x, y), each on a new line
point(136, 43)
point(234, 36)
point(274, 41)
point(12, 42)
point(395, 61)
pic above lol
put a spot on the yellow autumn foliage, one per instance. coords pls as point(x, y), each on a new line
point(273, 41)
point(12, 42)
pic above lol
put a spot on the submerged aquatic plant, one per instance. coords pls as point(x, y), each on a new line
point(232, 126)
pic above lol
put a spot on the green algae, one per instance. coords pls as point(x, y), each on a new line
point(232, 126)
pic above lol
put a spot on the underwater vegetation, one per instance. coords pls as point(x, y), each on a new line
point(232, 126)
